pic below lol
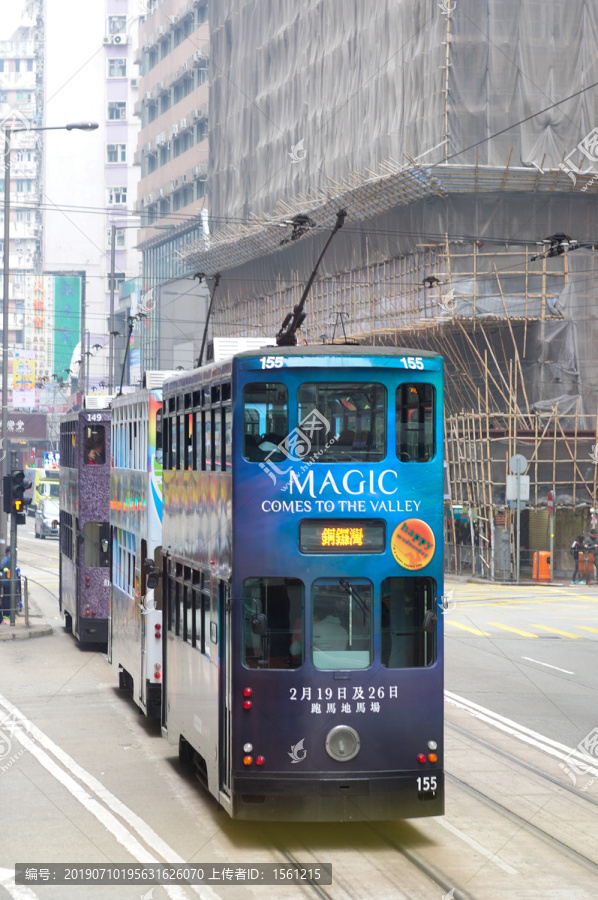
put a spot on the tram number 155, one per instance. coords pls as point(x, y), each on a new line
point(427, 783)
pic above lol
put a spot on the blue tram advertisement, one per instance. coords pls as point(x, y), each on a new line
point(135, 632)
point(84, 523)
point(302, 534)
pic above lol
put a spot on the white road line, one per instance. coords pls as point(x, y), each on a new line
point(16, 891)
point(540, 741)
point(29, 733)
point(548, 666)
point(478, 847)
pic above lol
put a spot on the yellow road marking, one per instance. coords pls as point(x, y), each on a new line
point(469, 628)
point(555, 631)
point(516, 630)
point(587, 628)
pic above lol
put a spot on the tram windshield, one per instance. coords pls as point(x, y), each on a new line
point(405, 602)
point(342, 623)
point(265, 421)
point(343, 422)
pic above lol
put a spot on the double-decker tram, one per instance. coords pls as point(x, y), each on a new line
point(84, 523)
point(303, 561)
point(135, 632)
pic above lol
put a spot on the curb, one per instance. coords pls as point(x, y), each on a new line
point(20, 633)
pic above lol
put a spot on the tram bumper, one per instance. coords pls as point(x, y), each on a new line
point(333, 799)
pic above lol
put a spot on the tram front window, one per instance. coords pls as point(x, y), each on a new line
point(405, 602)
point(341, 422)
point(273, 623)
point(342, 623)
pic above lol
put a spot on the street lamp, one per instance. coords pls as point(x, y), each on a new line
point(8, 132)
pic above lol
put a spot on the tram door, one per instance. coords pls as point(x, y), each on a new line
point(224, 643)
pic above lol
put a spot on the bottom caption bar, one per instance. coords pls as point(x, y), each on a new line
point(157, 873)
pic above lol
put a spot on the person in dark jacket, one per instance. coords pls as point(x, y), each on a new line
point(5, 592)
point(590, 546)
point(576, 549)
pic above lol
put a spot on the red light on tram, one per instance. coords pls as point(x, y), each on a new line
point(158, 631)
point(432, 757)
point(247, 704)
point(247, 760)
point(86, 610)
point(247, 692)
point(93, 612)
point(259, 760)
point(421, 757)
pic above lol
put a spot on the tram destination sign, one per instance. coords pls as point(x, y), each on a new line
point(342, 536)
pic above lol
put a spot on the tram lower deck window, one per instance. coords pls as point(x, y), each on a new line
point(342, 623)
point(405, 602)
point(273, 623)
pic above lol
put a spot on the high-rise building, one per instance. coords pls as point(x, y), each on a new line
point(172, 195)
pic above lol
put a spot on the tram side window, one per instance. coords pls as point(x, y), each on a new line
point(342, 623)
point(273, 623)
point(342, 422)
point(97, 545)
point(265, 421)
point(159, 448)
point(95, 445)
point(405, 602)
point(66, 534)
point(415, 422)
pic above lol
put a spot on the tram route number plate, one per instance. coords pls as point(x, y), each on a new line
point(427, 785)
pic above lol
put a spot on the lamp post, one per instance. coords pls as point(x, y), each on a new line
point(8, 132)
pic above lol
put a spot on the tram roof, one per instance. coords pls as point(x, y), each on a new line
point(224, 366)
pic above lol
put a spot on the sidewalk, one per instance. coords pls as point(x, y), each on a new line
point(19, 631)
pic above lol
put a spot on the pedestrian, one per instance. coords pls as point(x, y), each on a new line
point(590, 547)
point(576, 549)
point(5, 573)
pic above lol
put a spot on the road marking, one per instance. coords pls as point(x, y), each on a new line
point(478, 847)
point(556, 631)
point(17, 891)
point(587, 628)
point(548, 666)
point(469, 628)
point(29, 733)
point(539, 741)
point(516, 630)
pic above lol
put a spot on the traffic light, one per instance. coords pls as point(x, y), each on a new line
point(15, 486)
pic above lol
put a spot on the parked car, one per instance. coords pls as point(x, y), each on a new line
point(47, 517)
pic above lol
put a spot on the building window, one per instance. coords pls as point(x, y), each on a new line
point(116, 153)
point(117, 109)
point(120, 240)
point(117, 68)
point(17, 65)
point(23, 186)
point(119, 278)
point(117, 195)
point(30, 65)
point(117, 24)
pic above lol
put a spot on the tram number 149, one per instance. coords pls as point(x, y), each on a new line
point(427, 783)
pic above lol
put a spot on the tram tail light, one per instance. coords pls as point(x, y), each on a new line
point(247, 704)
point(259, 760)
point(157, 671)
point(247, 760)
point(421, 757)
point(87, 581)
point(87, 611)
point(432, 757)
point(158, 631)
point(93, 612)
point(247, 693)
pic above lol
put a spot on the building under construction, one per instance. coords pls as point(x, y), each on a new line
point(461, 140)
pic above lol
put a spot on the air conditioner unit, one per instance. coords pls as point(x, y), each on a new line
point(197, 56)
point(160, 138)
point(174, 129)
point(134, 82)
point(185, 8)
point(183, 124)
point(175, 183)
point(160, 85)
point(197, 171)
point(120, 39)
point(185, 67)
point(147, 199)
point(174, 19)
point(148, 147)
point(160, 192)
point(108, 39)
point(148, 97)
point(160, 29)
point(148, 44)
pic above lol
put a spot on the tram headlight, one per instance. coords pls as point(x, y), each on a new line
point(432, 745)
point(342, 743)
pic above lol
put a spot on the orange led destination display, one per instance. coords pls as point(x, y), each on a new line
point(342, 536)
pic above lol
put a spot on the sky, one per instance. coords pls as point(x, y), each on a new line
point(9, 20)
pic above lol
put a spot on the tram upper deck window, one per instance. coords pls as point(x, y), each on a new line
point(342, 422)
point(265, 421)
point(416, 437)
point(405, 602)
point(342, 623)
point(273, 623)
point(95, 445)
